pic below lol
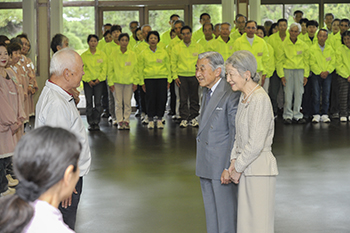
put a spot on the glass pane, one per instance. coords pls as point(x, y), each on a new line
point(159, 19)
point(214, 10)
point(12, 0)
point(11, 22)
point(340, 11)
point(78, 23)
point(273, 12)
point(122, 18)
point(310, 11)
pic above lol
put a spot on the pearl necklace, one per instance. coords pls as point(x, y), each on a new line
point(246, 97)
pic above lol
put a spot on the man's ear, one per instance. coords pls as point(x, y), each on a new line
point(66, 74)
point(217, 72)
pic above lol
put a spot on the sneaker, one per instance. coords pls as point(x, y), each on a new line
point(160, 124)
point(183, 124)
point(145, 120)
point(12, 182)
point(121, 125)
point(137, 113)
point(150, 125)
point(91, 128)
point(110, 119)
point(287, 121)
point(325, 119)
point(194, 123)
point(126, 125)
point(335, 116)
point(316, 119)
point(9, 191)
point(343, 119)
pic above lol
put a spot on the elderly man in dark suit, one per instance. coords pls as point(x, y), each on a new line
point(215, 139)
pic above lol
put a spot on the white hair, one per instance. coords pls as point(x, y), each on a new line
point(244, 60)
point(215, 61)
point(295, 25)
point(61, 60)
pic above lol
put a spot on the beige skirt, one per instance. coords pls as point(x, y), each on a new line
point(256, 204)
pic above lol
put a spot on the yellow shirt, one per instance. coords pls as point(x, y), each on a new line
point(95, 65)
point(132, 42)
point(165, 37)
point(220, 46)
point(335, 41)
point(123, 69)
point(235, 35)
point(258, 49)
point(343, 61)
point(109, 47)
point(272, 64)
point(308, 41)
point(322, 61)
point(204, 43)
point(101, 44)
point(172, 43)
point(293, 56)
point(154, 65)
point(184, 59)
point(197, 35)
point(276, 42)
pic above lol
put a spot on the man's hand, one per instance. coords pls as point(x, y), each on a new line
point(305, 80)
point(284, 81)
point(225, 177)
point(263, 80)
point(178, 82)
point(134, 87)
point(144, 88)
point(91, 83)
point(111, 88)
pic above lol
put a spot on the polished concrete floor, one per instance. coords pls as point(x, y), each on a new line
point(144, 180)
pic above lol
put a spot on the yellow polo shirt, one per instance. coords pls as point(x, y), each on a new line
point(322, 61)
point(95, 65)
point(220, 46)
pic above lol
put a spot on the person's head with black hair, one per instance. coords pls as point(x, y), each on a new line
point(106, 27)
point(58, 42)
point(204, 18)
point(260, 32)
point(138, 34)
point(45, 162)
point(4, 56)
point(345, 39)
point(25, 43)
point(92, 41)
point(335, 26)
point(123, 39)
point(186, 32)
point(273, 29)
point(297, 15)
point(282, 25)
point(312, 27)
point(303, 23)
point(328, 19)
point(14, 52)
point(116, 30)
point(240, 22)
point(177, 27)
point(344, 25)
point(145, 29)
point(4, 39)
point(172, 20)
point(172, 33)
point(267, 24)
point(108, 36)
point(322, 36)
point(153, 39)
point(133, 25)
point(208, 31)
point(217, 30)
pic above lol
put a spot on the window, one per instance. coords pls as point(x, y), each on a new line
point(340, 11)
point(273, 12)
point(78, 23)
point(122, 18)
point(311, 11)
point(214, 10)
point(11, 22)
point(159, 19)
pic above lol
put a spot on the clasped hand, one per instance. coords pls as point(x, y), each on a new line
point(230, 175)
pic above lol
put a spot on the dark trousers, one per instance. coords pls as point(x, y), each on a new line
point(275, 84)
point(306, 103)
point(172, 98)
point(93, 114)
point(189, 93)
point(156, 90)
point(70, 213)
point(137, 98)
point(104, 98)
point(321, 85)
point(344, 92)
point(142, 99)
point(4, 164)
point(334, 108)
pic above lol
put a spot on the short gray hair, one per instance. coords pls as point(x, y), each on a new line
point(61, 60)
point(225, 23)
point(295, 25)
point(217, 25)
point(215, 61)
point(244, 60)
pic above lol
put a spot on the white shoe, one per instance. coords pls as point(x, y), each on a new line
point(316, 119)
point(145, 120)
point(183, 124)
point(12, 182)
point(110, 119)
point(325, 118)
point(160, 124)
point(151, 125)
point(194, 123)
point(343, 119)
point(9, 191)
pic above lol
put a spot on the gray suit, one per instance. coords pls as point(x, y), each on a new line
point(214, 144)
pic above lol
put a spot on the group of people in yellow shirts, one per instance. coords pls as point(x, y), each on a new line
point(306, 61)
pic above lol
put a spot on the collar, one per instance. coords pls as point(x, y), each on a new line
point(68, 96)
point(215, 86)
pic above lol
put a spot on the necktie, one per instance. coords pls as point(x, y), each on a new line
point(207, 98)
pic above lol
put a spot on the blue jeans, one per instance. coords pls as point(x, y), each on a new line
point(319, 84)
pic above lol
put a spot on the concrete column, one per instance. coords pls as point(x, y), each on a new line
point(228, 11)
point(56, 17)
point(29, 25)
point(254, 11)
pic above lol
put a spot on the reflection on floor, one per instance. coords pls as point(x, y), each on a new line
point(144, 180)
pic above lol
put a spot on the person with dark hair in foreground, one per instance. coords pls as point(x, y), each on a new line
point(46, 163)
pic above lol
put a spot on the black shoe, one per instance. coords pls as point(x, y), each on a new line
point(91, 127)
point(105, 114)
point(137, 113)
point(96, 127)
point(301, 121)
point(287, 121)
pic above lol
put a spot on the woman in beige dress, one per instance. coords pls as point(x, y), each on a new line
point(253, 165)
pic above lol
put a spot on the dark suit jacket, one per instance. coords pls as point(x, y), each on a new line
point(216, 131)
